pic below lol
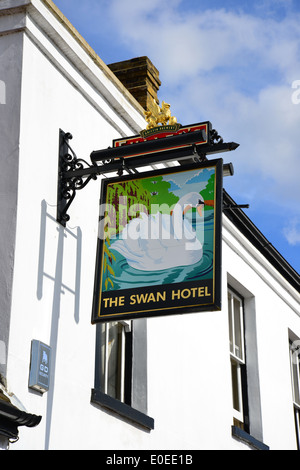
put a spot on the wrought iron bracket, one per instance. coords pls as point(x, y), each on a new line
point(75, 173)
point(215, 138)
point(69, 185)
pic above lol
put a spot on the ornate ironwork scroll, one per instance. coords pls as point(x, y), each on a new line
point(67, 187)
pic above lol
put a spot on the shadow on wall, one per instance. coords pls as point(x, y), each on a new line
point(57, 275)
point(51, 266)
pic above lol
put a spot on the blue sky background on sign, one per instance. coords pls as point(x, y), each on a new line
point(234, 63)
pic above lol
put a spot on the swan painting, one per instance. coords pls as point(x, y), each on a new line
point(158, 229)
point(162, 241)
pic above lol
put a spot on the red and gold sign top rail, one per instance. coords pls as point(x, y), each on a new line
point(163, 132)
point(161, 140)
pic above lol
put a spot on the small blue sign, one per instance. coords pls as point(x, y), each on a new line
point(39, 377)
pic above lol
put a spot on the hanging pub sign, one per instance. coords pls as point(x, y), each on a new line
point(159, 243)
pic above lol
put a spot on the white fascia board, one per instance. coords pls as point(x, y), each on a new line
point(263, 268)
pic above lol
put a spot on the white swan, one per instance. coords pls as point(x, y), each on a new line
point(162, 241)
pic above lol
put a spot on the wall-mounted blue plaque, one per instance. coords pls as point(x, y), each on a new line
point(39, 376)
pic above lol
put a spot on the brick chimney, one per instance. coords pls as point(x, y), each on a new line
point(141, 79)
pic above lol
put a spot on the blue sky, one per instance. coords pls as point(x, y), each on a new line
point(197, 181)
point(231, 62)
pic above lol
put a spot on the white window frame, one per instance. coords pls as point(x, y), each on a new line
point(126, 327)
point(237, 360)
point(297, 425)
point(295, 377)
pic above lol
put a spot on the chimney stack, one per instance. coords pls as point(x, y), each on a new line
point(141, 79)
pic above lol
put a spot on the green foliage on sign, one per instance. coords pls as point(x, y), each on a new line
point(125, 201)
point(108, 271)
point(162, 199)
point(208, 193)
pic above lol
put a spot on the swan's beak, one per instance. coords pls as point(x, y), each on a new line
point(200, 209)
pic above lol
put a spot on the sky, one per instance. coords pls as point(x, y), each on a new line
point(235, 63)
point(197, 181)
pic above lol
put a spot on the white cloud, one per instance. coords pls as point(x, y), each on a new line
point(202, 40)
point(292, 232)
point(234, 69)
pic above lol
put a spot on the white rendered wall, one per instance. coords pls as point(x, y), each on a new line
point(10, 76)
point(277, 310)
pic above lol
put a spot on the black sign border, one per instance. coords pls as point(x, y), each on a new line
point(217, 278)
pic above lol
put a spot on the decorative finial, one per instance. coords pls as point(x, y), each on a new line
point(160, 115)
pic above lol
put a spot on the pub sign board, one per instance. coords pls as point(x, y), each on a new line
point(159, 243)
